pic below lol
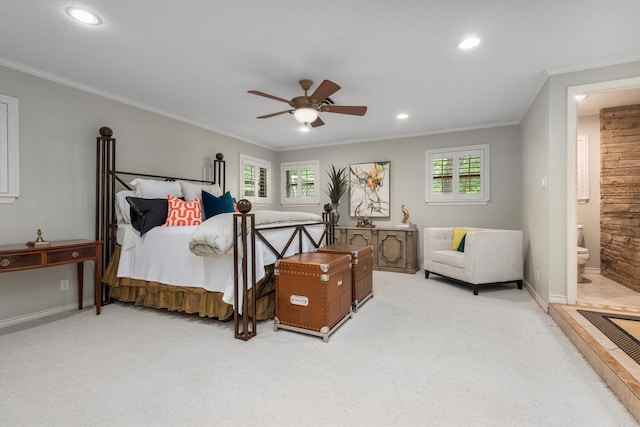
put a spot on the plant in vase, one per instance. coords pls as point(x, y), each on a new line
point(337, 186)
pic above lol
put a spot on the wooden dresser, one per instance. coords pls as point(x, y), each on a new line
point(395, 248)
point(20, 257)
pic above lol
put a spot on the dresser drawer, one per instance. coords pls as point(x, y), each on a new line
point(20, 261)
point(70, 255)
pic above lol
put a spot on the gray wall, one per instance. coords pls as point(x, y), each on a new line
point(534, 131)
point(558, 86)
point(407, 178)
point(544, 147)
point(58, 130)
point(58, 127)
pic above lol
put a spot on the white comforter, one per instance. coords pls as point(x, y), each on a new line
point(215, 235)
point(162, 255)
point(168, 254)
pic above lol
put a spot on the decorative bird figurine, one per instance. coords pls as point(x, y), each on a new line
point(405, 213)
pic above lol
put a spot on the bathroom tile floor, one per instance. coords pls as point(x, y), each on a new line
point(600, 290)
point(617, 369)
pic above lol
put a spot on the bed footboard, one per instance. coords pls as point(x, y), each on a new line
point(245, 235)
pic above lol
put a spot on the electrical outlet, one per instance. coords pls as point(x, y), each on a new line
point(64, 284)
point(538, 276)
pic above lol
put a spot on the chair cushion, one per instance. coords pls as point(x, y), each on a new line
point(452, 258)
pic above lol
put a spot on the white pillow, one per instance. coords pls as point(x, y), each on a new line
point(153, 189)
point(123, 209)
point(191, 191)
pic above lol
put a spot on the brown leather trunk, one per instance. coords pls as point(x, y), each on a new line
point(361, 270)
point(313, 292)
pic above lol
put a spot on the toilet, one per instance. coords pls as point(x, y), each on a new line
point(583, 254)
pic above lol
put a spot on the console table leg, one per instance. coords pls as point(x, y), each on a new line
point(80, 283)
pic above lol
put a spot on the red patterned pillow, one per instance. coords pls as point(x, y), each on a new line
point(183, 213)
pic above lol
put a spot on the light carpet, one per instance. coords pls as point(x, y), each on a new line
point(420, 353)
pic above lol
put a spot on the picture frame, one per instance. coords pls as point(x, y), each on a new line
point(370, 189)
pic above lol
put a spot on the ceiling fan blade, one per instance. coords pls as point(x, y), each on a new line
point(325, 90)
point(266, 116)
point(344, 109)
point(317, 122)
point(266, 95)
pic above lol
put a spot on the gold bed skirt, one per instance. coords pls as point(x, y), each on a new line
point(184, 299)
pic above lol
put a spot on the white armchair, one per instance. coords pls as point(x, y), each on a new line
point(490, 256)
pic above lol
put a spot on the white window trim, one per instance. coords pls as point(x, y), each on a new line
point(307, 164)
point(9, 147)
point(455, 198)
point(256, 162)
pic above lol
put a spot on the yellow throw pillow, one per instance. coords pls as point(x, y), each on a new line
point(458, 234)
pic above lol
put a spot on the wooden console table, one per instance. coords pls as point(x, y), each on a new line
point(21, 257)
point(395, 248)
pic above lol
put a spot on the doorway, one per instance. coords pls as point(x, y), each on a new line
point(593, 90)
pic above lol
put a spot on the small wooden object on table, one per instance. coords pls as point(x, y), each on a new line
point(20, 257)
point(361, 270)
point(39, 242)
point(313, 293)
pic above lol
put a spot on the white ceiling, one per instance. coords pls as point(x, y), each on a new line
point(196, 59)
point(615, 98)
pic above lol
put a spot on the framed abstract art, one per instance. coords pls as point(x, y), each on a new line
point(369, 189)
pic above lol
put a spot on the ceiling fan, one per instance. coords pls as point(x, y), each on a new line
point(306, 108)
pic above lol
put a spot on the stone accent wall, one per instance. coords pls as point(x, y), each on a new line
point(620, 195)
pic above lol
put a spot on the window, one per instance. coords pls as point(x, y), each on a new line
point(9, 159)
point(255, 179)
point(300, 183)
point(458, 175)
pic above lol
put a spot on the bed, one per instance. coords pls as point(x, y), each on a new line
point(220, 268)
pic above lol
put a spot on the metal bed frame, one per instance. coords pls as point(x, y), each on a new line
point(108, 178)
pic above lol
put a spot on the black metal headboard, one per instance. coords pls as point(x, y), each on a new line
point(109, 180)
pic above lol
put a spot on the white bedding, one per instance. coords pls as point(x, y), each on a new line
point(215, 235)
point(163, 254)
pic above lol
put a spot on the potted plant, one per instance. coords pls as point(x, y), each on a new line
point(337, 186)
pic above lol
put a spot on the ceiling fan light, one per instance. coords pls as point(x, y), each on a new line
point(305, 115)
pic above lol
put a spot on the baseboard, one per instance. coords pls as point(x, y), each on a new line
point(45, 313)
point(541, 302)
point(591, 270)
point(557, 299)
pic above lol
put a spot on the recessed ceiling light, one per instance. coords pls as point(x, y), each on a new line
point(84, 16)
point(402, 116)
point(580, 97)
point(469, 43)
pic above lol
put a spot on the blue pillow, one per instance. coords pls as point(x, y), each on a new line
point(461, 245)
point(213, 205)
